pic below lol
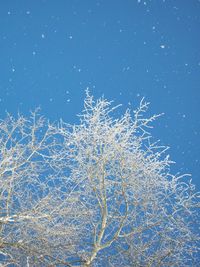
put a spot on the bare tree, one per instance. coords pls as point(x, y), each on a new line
point(36, 219)
point(99, 193)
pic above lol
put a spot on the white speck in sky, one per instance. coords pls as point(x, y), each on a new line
point(67, 92)
point(34, 53)
point(153, 29)
point(68, 100)
point(9, 12)
point(126, 68)
point(13, 69)
point(50, 99)
point(162, 46)
point(70, 37)
point(28, 12)
point(42, 35)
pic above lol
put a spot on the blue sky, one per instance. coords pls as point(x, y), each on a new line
point(51, 51)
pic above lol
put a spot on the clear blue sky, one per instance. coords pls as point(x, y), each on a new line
point(51, 51)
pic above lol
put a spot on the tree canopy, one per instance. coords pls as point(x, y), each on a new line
point(98, 193)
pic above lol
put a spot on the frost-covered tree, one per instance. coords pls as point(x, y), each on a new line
point(99, 193)
point(36, 220)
